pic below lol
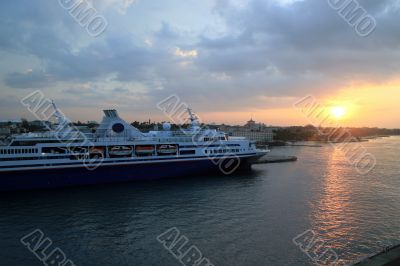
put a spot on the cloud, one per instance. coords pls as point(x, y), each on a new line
point(220, 55)
point(28, 79)
point(188, 53)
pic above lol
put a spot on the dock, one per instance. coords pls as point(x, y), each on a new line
point(389, 257)
point(305, 145)
point(276, 159)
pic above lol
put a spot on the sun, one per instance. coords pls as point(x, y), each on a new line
point(338, 112)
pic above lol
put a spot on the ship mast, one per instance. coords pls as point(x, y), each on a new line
point(193, 119)
point(62, 121)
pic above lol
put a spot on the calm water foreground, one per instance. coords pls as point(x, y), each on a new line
point(246, 219)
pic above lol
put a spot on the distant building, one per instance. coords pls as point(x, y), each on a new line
point(251, 124)
point(253, 131)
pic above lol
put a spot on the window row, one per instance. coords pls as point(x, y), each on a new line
point(223, 151)
point(18, 151)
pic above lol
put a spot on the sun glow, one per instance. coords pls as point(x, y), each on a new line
point(338, 112)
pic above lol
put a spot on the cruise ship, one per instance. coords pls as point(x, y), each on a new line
point(118, 152)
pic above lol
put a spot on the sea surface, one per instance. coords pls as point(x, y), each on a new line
point(250, 218)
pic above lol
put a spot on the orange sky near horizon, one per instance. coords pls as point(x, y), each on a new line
point(366, 106)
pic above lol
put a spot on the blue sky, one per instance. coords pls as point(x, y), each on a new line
point(228, 59)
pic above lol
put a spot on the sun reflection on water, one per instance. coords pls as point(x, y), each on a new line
point(333, 214)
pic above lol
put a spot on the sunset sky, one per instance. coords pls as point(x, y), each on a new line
point(230, 60)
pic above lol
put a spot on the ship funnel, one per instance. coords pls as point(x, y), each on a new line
point(112, 125)
point(111, 113)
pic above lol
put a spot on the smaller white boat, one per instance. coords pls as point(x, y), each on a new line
point(120, 151)
point(144, 150)
point(167, 149)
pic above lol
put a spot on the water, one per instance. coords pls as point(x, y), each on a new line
point(246, 219)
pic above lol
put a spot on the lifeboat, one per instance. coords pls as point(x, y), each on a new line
point(120, 151)
point(96, 152)
point(144, 150)
point(167, 149)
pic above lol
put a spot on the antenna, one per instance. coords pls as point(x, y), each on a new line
point(61, 119)
point(57, 112)
point(193, 118)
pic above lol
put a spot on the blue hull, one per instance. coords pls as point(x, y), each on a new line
point(76, 176)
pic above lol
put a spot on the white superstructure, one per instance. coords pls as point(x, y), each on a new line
point(115, 140)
